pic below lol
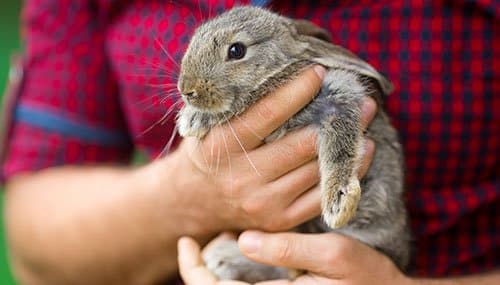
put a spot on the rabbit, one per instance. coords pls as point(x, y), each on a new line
point(243, 54)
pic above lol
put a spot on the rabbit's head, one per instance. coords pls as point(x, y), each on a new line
point(239, 56)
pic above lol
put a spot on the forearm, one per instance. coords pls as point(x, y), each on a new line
point(95, 225)
point(491, 278)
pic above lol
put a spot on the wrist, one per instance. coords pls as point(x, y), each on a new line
point(177, 189)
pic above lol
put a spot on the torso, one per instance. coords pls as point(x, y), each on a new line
point(445, 65)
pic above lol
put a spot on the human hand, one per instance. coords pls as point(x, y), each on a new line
point(328, 258)
point(266, 186)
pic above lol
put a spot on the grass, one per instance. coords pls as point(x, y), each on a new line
point(9, 42)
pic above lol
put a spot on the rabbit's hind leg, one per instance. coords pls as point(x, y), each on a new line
point(226, 262)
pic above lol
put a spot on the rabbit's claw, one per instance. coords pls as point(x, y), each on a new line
point(341, 203)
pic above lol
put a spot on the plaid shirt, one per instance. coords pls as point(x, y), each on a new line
point(100, 75)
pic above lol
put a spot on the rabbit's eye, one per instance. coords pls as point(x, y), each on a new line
point(236, 51)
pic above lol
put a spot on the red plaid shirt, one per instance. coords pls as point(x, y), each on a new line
point(97, 83)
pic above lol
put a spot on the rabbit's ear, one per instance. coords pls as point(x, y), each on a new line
point(338, 57)
point(306, 28)
point(334, 56)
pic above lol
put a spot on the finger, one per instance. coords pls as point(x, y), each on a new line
point(304, 208)
point(290, 186)
point(270, 112)
point(191, 266)
point(367, 158)
point(288, 153)
point(288, 197)
point(318, 253)
point(368, 110)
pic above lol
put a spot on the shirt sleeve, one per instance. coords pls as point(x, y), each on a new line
point(66, 108)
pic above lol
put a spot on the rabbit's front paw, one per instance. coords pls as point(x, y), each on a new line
point(340, 202)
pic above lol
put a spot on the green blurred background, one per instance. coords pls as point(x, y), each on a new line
point(9, 43)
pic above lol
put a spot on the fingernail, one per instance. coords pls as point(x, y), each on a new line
point(368, 105)
point(369, 145)
point(183, 242)
point(369, 148)
point(226, 236)
point(320, 71)
point(250, 242)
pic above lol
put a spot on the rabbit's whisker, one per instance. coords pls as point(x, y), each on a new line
point(170, 92)
point(211, 155)
point(218, 159)
point(154, 71)
point(229, 162)
point(171, 75)
point(163, 85)
point(207, 164)
point(164, 98)
point(156, 66)
point(247, 126)
point(199, 12)
point(163, 118)
point(177, 5)
point(241, 145)
point(167, 53)
point(168, 146)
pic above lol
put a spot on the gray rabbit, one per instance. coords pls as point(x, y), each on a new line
point(240, 56)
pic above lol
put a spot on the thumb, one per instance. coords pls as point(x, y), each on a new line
point(312, 252)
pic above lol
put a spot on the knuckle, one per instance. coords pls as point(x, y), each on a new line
point(233, 187)
point(266, 112)
point(305, 147)
point(300, 143)
point(279, 222)
point(331, 257)
point(341, 251)
point(284, 151)
point(273, 225)
point(254, 206)
point(284, 250)
point(227, 191)
point(312, 172)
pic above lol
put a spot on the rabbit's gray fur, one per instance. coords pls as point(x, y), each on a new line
point(278, 49)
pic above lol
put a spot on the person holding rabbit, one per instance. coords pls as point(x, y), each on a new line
point(99, 81)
